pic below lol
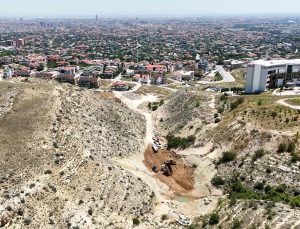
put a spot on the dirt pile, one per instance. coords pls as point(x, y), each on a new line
point(181, 181)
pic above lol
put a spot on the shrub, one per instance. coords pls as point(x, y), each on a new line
point(164, 217)
point(217, 120)
point(281, 188)
point(236, 103)
point(295, 201)
point(258, 154)
point(281, 148)
point(154, 108)
point(220, 110)
point(291, 147)
point(295, 157)
point(161, 102)
point(259, 186)
point(268, 170)
point(214, 219)
point(135, 221)
point(237, 186)
point(237, 224)
point(274, 114)
point(227, 156)
point(48, 172)
point(217, 181)
point(193, 226)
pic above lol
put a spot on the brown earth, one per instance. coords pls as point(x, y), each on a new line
point(181, 182)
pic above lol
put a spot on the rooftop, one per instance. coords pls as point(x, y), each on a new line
point(269, 63)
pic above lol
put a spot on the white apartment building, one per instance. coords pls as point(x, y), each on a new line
point(263, 74)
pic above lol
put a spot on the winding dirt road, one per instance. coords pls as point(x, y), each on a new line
point(284, 103)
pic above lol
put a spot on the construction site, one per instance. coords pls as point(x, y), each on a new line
point(79, 158)
point(170, 169)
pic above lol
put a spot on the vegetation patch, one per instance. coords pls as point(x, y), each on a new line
point(227, 156)
point(178, 142)
point(294, 101)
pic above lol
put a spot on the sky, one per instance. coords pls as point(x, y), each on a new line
point(19, 8)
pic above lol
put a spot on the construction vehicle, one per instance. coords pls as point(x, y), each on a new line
point(166, 170)
point(170, 162)
point(155, 147)
point(166, 167)
point(183, 221)
point(154, 169)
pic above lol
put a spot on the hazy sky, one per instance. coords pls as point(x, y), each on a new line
point(146, 7)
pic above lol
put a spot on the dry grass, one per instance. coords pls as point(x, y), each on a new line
point(150, 89)
point(294, 101)
point(262, 110)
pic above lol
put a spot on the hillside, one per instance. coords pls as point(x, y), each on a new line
point(261, 138)
point(59, 145)
point(78, 158)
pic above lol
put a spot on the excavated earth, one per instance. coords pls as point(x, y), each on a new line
point(181, 181)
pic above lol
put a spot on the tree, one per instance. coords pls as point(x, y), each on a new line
point(40, 68)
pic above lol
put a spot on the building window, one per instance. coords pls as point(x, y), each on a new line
point(271, 72)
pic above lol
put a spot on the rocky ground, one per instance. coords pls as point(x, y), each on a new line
point(194, 112)
point(73, 158)
point(59, 146)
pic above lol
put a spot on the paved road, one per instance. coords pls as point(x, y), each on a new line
point(227, 77)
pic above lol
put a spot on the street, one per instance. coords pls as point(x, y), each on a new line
point(227, 77)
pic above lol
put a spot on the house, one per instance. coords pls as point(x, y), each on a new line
point(22, 74)
point(108, 74)
point(129, 72)
point(89, 82)
point(65, 78)
point(67, 70)
point(142, 78)
point(120, 86)
point(156, 68)
point(44, 75)
point(157, 79)
point(184, 75)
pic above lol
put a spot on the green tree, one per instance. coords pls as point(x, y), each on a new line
point(40, 68)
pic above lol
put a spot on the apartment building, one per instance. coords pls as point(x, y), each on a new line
point(263, 74)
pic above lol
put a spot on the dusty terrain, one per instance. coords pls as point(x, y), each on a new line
point(244, 130)
point(77, 158)
point(58, 150)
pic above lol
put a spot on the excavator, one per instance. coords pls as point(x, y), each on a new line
point(166, 167)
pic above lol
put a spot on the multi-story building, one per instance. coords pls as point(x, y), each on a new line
point(20, 42)
point(263, 74)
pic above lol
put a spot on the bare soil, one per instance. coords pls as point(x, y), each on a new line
point(181, 182)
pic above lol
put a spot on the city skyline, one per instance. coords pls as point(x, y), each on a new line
point(34, 8)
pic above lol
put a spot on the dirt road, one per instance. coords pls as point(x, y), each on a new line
point(284, 103)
